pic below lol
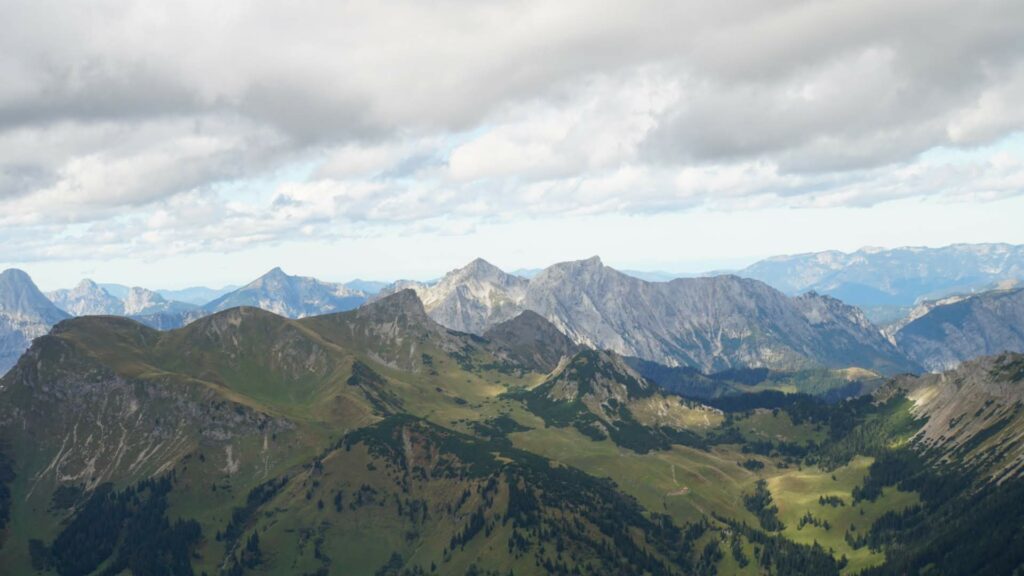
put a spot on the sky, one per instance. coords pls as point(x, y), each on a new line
point(203, 143)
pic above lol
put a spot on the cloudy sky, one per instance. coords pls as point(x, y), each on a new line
point(204, 142)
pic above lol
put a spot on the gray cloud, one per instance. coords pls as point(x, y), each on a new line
point(124, 117)
point(842, 85)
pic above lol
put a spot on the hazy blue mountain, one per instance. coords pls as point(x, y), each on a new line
point(25, 314)
point(368, 287)
point(526, 272)
point(896, 277)
point(115, 290)
point(140, 301)
point(91, 299)
point(940, 335)
point(197, 295)
point(886, 315)
point(87, 299)
point(657, 275)
point(648, 275)
point(291, 296)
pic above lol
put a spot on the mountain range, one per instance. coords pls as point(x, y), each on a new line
point(90, 299)
point(291, 296)
point(941, 334)
point(197, 295)
point(711, 323)
point(377, 441)
point(27, 313)
point(893, 277)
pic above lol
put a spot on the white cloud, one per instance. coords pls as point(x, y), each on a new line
point(122, 124)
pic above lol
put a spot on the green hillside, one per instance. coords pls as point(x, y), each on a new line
point(378, 442)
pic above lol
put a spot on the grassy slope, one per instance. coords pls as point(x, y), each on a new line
point(778, 426)
point(796, 492)
point(311, 391)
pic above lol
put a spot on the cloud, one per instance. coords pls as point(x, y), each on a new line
point(141, 128)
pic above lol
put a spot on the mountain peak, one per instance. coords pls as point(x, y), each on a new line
point(592, 264)
point(12, 275)
point(25, 313)
point(87, 284)
point(479, 269)
point(291, 296)
point(480, 263)
point(140, 292)
point(532, 341)
point(275, 272)
point(19, 295)
point(87, 298)
point(403, 306)
point(599, 372)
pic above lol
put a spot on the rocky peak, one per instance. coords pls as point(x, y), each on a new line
point(596, 375)
point(530, 340)
point(403, 307)
point(19, 297)
point(274, 277)
point(480, 271)
point(820, 309)
point(481, 267)
point(471, 298)
point(291, 296)
point(87, 299)
point(574, 269)
point(86, 286)
point(25, 314)
point(140, 300)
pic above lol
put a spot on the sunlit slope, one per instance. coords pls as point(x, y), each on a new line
point(377, 441)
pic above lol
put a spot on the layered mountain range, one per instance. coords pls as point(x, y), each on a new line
point(291, 296)
point(27, 313)
point(707, 323)
point(710, 323)
point(377, 441)
point(90, 299)
point(941, 334)
point(893, 277)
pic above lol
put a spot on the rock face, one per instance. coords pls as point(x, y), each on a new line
point(291, 296)
point(102, 426)
point(25, 314)
point(87, 299)
point(709, 323)
point(971, 415)
point(898, 277)
point(91, 299)
point(941, 335)
point(141, 302)
point(472, 298)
